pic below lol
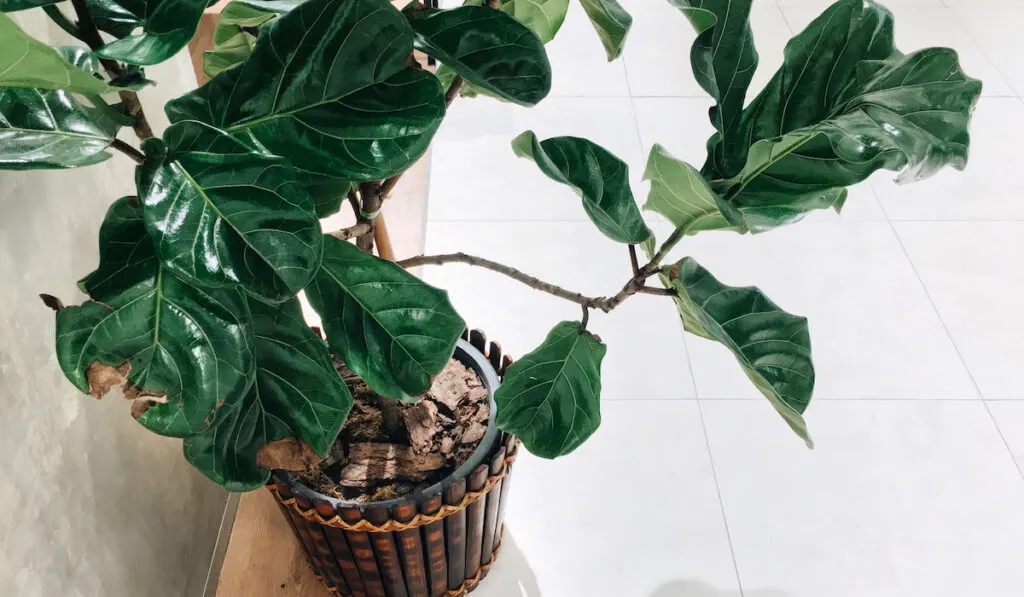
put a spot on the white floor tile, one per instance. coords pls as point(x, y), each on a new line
point(682, 126)
point(1009, 417)
point(646, 351)
point(476, 176)
point(634, 510)
point(899, 499)
point(579, 65)
point(821, 5)
point(989, 188)
point(972, 272)
point(997, 31)
point(873, 331)
point(657, 54)
point(923, 26)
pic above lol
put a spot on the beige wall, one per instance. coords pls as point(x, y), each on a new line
point(91, 504)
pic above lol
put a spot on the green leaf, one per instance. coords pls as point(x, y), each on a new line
point(772, 346)
point(543, 17)
point(223, 214)
point(227, 52)
point(117, 17)
point(844, 104)
point(27, 62)
point(389, 327)
point(232, 45)
point(79, 57)
point(50, 129)
point(15, 5)
point(328, 194)
point(724, 60)
point(486, 47)
point(680, 193)
point(186, 348)
point(346, 106)
point(611, 22)
point(168, 26)
point(600, 178)
point(551, 397)
point(297, 393)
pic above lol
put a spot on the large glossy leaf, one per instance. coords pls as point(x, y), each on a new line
point(222, 214)
point(326, 87)
point(772, 346)
point(543, 17)
point(117, 17)
point(231, 44)
point(724, 59)
point(27, 62)
point(551, 397)
point(486, 47)
point(328, 193)
point(600, 178)
point(844, 104)
point(14, 5)
point(389, 327)
point(50, 129)
point(297, 393)
point(680, 193)
point(612, 23)
point(181, 348)
point(168, 26)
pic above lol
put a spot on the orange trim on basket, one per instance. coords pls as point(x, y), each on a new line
point(393, 525)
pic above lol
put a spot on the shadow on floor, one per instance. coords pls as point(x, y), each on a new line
point(692, 588)
point(511, 575)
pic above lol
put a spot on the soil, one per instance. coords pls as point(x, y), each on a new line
point(388, 449)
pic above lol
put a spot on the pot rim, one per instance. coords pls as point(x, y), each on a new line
point(468, 355)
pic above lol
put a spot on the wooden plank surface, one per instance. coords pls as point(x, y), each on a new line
point(264, 559)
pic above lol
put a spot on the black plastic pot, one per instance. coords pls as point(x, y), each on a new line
point(437, 542)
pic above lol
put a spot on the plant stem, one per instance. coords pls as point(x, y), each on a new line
point(453, 91)
point(632, 260)
point(353, 231)
point(129, 151)
point(57, 16)
point(586, 317)
point(88, 33)
point(633, 286)
point(670, 242)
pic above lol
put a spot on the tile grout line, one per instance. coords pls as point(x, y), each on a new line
point(718, 490)
point(959, 354)
point(1018, 92)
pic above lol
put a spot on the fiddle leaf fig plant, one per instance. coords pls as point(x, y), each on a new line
point(194, 310)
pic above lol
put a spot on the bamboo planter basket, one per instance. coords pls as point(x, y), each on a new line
point(439, 542)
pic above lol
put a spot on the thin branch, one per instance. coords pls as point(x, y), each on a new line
point(633, 286)
point(652, 266)
point(453, 91)
point(511, 272)
point(657, 291)
point(586, 317)
point(129, 151)
point(353, 231)
point(88, 33)
point(632, 260)
point(57, 16)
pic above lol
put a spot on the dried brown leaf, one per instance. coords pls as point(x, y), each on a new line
point(290, 454)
